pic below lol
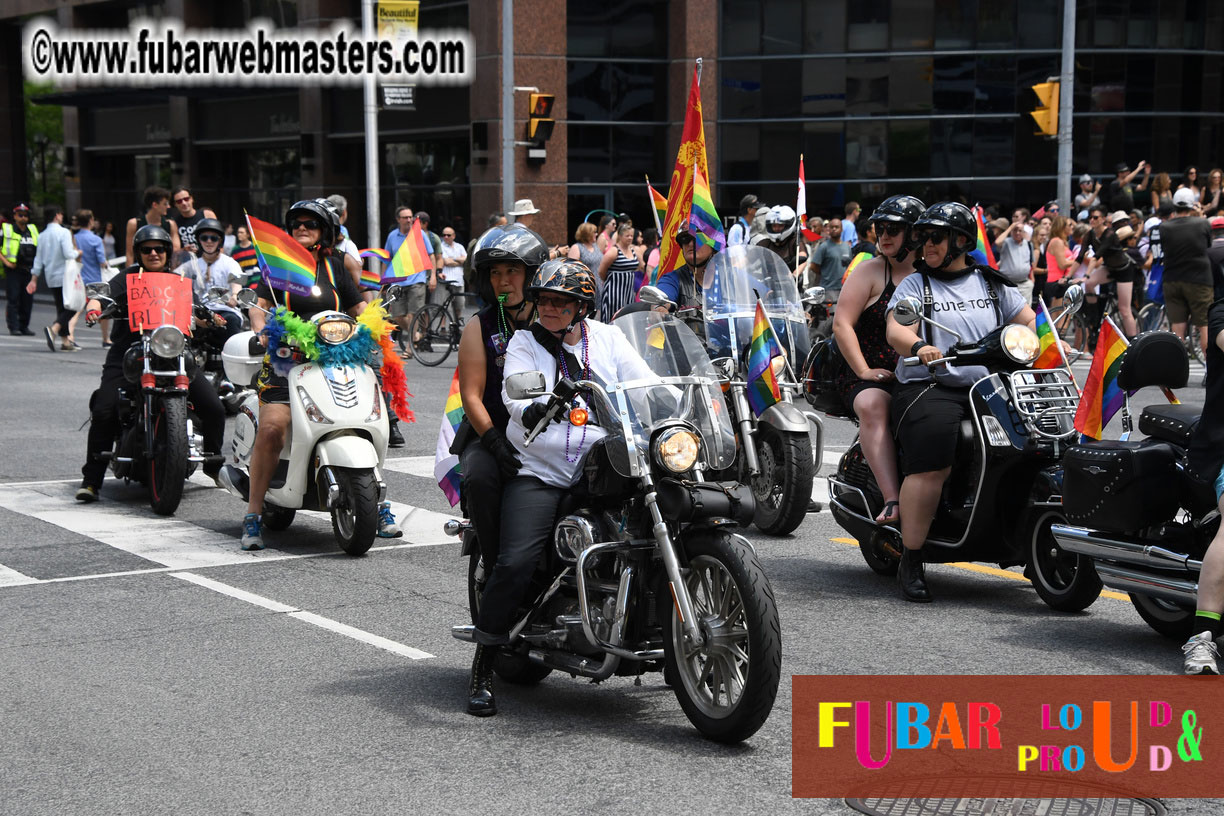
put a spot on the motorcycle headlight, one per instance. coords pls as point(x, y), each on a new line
point(336, 331)
point(1020, 343)
point(676, 449)
point(167, 341)
point(778, 365)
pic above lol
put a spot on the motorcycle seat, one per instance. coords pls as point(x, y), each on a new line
point(1170, 423)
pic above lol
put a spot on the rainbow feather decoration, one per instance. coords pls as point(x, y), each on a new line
point(375, 319)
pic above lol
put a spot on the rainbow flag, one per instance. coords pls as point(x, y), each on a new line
point(982, 254)
point(446, 464)
point(703, 218)
point(374, 252)
point(1051, 355)
point(412, 258)
point(858, 259)
point(659, 202)
point(692, 153)
point(286, 265)
point(1101, 397)
point(763, 388)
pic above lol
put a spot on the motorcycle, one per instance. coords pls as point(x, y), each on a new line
point(1131, 506)
point(1004, 490)
point(333, 454)
point(156, 445)
point(777, 457)
point(645, 572)
point(208, 347)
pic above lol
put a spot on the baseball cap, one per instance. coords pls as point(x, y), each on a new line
point(1122, 167)
point(1217, 223)
point(21, 208)
point(1184, 199)
point(749, 202)
point(1085, 179)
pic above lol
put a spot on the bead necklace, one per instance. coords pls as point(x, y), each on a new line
point(586, 375)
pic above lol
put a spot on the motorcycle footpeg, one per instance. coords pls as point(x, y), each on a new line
point(235, 481)
point(465, 633)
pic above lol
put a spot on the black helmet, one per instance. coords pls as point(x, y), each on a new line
point(325, 215)
point(514, 242)
point(899, 209)
point(209, 225)
point(152, 234)
point(958, 220)
point(564, 276)
point(334, 212)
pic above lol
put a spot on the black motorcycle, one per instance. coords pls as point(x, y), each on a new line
point(1131, 506)
point(1003, 493)
point(155, 445)
point(646, 572)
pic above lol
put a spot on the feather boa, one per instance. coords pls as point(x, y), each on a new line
point(286, 326)
point(374, 320)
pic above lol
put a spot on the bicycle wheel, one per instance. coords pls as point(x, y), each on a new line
point(432, 330)
point(1191, 341)
point(1076, 331)
point(1152, 318)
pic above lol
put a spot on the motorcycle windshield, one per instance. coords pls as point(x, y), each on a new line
point(686, 387)
point(736, 278)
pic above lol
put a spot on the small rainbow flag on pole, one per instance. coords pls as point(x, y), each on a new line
point(703, 218)
point(286, 264)
point(658, 203)
point(858, 259)
point(982, 253)
point(372, 278)
point(1102, 398)
point(763, 388)
point(446, 464)
point(412, 258)
point(1051, 354)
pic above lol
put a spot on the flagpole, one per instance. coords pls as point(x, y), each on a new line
point(1057, 341)
point(263, 269)
point(798, 230)
point(653, 210)
point(785, 356)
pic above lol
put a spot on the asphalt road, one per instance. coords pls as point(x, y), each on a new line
point(150, 666)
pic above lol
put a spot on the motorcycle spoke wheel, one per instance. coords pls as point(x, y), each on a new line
point(167, 462)
point(431, 328)
point(1067, 582)
point(783, 488)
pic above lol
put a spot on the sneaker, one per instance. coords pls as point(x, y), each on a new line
point(68, 345)
point(27, 333)
point(50, 335)
point(387, 528)
point(87, 494)
point(251, 539)
point(1201, 654)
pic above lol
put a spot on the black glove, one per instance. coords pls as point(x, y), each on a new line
point(508, 463)
point(535, 412)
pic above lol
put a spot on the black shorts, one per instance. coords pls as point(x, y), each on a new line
point(272, 387)
point(1124, 275)
point(926, 421)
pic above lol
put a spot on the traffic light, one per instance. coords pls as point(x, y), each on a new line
point(1046, 115)
point(539, 121)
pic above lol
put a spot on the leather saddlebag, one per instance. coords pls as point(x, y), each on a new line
point(1121, 486)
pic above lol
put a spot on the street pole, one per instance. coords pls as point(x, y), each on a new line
point(507, 112)
point(370, 107)
point(1066, 94)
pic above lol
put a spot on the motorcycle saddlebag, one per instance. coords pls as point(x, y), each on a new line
point(821, 370)
point(685, 501)
point(1121, 486)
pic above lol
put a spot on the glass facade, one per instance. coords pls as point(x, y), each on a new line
point(932, 97)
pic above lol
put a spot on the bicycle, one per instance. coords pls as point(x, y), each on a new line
point(1153, 317)
point(436, 330)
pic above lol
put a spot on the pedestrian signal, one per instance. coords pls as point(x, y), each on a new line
point(1046, 115)
point(539, 118)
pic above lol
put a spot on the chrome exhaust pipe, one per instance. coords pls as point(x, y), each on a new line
point(576, 664)
point(1163, 586)
point(1111, 547)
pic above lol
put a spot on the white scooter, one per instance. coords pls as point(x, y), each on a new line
point(337, 440)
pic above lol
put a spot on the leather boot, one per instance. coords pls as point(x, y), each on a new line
point(480, 695)
point(912, 577)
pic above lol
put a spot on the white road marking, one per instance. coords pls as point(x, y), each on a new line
point(11, 577)
point(412, 465)
point(306, 617)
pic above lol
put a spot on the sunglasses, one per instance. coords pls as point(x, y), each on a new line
point(554, 302)
point(208, 237)
point(153, 250)
point(684, 239)
point(891, 229)
point(934, 237)
point(182, 200)
point(309, 223)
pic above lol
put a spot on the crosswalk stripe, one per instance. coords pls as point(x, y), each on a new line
point(11, 577)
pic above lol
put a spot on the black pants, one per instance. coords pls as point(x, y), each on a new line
point(530, 508)
point(481, 490)
point(20, 302)
point(104, 421)
point(62, 316)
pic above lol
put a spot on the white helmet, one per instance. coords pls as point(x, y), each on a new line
point(1184, 199)
point(780, 223)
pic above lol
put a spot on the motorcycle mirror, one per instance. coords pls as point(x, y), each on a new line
point(97, 290)
point(525, 385)
point(815, 294)
point(234, 277)
point(1073, 298)
point(908, 311)
point(725, 366)
point(247, 298)
point(217, 293)
point(654, 296)
point(392, 292)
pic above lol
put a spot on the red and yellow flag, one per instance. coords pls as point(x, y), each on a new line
point(680, 194)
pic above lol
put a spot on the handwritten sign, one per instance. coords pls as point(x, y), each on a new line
point(158, 299)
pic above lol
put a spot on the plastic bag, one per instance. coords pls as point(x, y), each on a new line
point(74, 287)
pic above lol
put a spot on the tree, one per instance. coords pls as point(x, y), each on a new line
point(44, 126)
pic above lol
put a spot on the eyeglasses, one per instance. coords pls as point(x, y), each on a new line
point(933, 237)
point(684, 239)
point(448, 235)
point(153, 250)
point(891, 229)
point(557, 303)
point(182, 200)
point(309, 223)
point(1094, 218)
point(208, 237)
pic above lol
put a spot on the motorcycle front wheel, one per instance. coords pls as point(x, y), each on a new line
point(168, 459)
point(726, 686)
point(1172, 620)
point(355, 518)
point(1067, 582)
point(513, 668)
point(783, 488)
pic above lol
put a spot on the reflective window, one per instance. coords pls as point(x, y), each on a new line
point(867, 28)
point(824, 87)
point(740, 96)
point(824, 150)
point(1141, 26)
point(1109, 23)
point(824, 26)
point(955, 23)
point(996, 85)
point(618, 28)
point(781, 31)
point(994, 144)
point(781, 87)
point(607, 91)
point(1140, 83)
point(588, 148)
point(909, 149)
point(954, 84)
point(741, 27)
point(912, 24)
point(738, 149)
point(866, 86)
point(910, 85)
point(951, 147)
point(997, 24)
point(866, 149)
point(637, 150)
point(1039, 24)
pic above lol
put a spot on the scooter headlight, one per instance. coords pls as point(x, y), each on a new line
point(676, 449)
point(313, 413)
point(167, 341)
point(336, 330)
point(1020, 343)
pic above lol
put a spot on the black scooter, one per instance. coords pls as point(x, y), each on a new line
point(1001, 498)
point(1132, 507)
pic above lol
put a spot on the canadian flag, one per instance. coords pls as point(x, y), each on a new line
point(801, 206)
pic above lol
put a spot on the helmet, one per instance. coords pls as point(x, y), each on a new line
point(564, 276)
point(311, 207)
point(332, 210)
point(209, 225)
point(1184, 199)
point(152, 234)
point(960, 223)
point(510, 243)
point(780, 223)
point(899, 209)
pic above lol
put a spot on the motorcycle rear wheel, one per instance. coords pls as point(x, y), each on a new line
point(726, 687)
point(167, 462)
point(783, 489)
point(513, 668)
point(1172, 620)
point(355, 518)
point(1067, 582)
